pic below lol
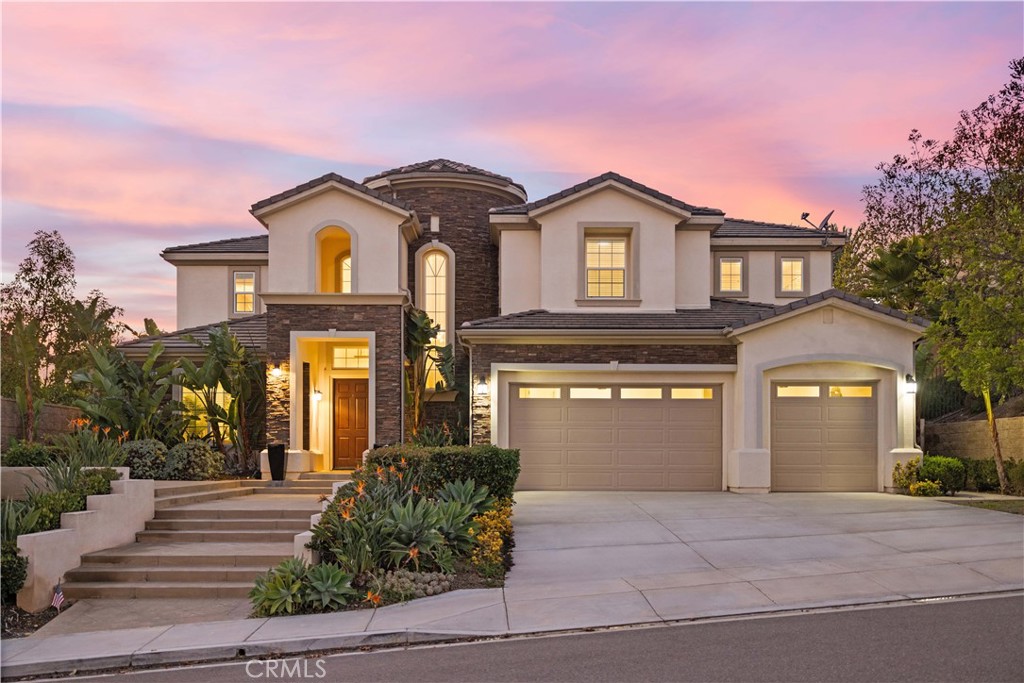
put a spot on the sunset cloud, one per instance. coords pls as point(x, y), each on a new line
point(132, 127)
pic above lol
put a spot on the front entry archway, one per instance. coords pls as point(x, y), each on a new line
point(351, 422)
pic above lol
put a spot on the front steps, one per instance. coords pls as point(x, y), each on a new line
point(207, 540)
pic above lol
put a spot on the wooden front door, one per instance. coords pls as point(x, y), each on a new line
point(351, 426)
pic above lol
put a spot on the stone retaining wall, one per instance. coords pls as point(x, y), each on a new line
point(53, 420)
point(972, 439)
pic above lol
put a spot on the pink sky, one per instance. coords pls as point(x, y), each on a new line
point(131, 128)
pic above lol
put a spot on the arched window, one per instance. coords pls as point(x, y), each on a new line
point(334, 249)
point(435, 297)
point(343, 274)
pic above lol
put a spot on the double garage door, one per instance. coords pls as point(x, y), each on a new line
point(591, 437)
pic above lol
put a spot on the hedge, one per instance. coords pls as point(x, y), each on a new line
point(950, 473)
point(496, 468)
point(25, 454)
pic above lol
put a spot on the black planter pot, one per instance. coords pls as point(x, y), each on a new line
point(275, 454)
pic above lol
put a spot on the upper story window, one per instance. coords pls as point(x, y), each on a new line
point(435, 294)
point(334, 250)
point(731, 275)
point(606, 267)
point(791, 275)
point(243, 291)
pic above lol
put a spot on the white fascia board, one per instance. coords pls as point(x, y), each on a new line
point(262, 213)
point(313, 299)
point(565, 337)
point(710, 223)
point(514, 221)
point(636, 194)
point(838, 303)
point(216, 258)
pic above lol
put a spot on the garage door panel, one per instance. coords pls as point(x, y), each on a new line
point(590, 413)
point(591, 435)
point(590, 457)
point(825, 443)
point(619, 443)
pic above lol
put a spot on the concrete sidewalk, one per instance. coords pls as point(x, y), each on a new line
point(588, 560)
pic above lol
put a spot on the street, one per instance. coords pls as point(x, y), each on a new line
point(963, 640)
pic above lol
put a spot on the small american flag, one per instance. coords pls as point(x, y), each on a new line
point(58, 597)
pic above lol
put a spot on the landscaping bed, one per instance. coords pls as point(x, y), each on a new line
point(413, 522)
point(17, 623)
point(1015, 507)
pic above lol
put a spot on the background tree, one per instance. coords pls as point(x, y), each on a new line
point(42, 294)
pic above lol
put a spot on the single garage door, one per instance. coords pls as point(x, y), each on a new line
point(824, 436)
point(628, 437)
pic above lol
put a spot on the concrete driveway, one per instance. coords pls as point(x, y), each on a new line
point(648, 556)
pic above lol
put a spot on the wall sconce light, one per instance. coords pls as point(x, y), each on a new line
point(275, 371)
point(317, 396)
point(911, 386)
point(481, 388)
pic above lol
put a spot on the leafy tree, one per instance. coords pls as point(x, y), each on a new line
point(42, 294)
point(420, 332)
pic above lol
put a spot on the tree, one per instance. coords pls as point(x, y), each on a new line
point(42, 293)
point(420, 332)
point(943, 235)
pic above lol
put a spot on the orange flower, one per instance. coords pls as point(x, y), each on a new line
point(415, 488)
point(373, 598)
point(414, 552)
point(392, 469)
point(380, 472)
point(95, 429)
point(402, 462)
point(361, 488)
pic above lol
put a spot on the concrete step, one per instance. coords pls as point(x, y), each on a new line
point(232, 513)
point(182, 554)
point(189, 498)
point(165, 489)
point(155, 589)
point(297, 524)
point(208, 536)
point(295, 489)
point(97, 572)
point(336, 475)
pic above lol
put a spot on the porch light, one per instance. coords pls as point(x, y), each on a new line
point(481, 388)
point(275, 371)
point(911, 386)
point(317, 396)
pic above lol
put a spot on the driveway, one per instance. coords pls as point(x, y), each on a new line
point(653, 556)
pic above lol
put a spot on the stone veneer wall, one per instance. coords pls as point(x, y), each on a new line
point(53, 420)
point(465, 229)
point(483, 355)
point(972, 439)
point(385, 321)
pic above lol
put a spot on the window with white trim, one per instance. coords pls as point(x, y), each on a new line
point(244, 291)
point(730, 275)
point(606, 267)
point(435, 303)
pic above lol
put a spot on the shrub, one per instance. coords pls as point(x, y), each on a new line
point(903, 476)
point(1015, 474)
point(926, 488)
point(94, 447)
point(493, 536)
point(147, 458)
point(292, 587)
point(96, 482)
point(25, 454)
point(402, 585)
point(19, 517)
point(52, 504)
point(194, 461)
point(490, 466)
point(981, 475)
point(949, 473)
point(13, 572)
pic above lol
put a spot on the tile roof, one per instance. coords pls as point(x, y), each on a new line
point(331, 177)
point(739, 227)
point(254, 244)
point(722, 314)
point(251, 332)
point(610, 175)
point(832, 294)
point(443, 166)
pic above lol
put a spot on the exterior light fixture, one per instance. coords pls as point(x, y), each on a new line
point(275, 371)
point(317, 396)
point(481, 388)
point(911, 384)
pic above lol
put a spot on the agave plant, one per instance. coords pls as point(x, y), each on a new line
point(19, 518)
point(62, 474)
point(327, 587)
point(468, 493)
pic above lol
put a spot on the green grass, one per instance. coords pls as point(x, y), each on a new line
point(1012, 506)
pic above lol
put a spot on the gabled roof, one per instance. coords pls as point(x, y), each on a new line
point(605, 177)
point(739, 227)
point(254, 244)
point(868, 304)
point(722, 314)
point(442, 166)
point(330, 178)
point(251, 332)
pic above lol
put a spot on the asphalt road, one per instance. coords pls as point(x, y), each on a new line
point(964, 640)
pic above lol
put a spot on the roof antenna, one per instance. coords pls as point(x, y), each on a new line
point(823, 225)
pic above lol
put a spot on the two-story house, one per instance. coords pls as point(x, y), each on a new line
point(619, 337)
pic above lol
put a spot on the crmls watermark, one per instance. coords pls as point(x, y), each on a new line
point(285, 669)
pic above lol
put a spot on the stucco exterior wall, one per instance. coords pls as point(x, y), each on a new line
point(693, 271)
point(828, 342)
point(761, 271)
point(520, 271)
point(654, 236)
point(375, 233)
point(204, 292)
